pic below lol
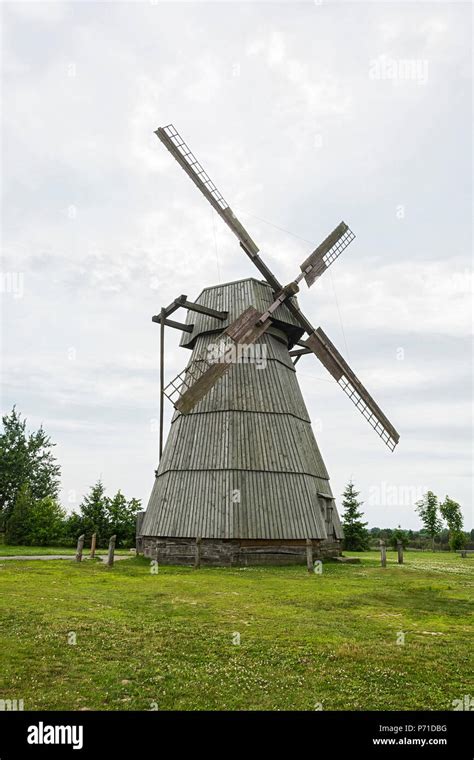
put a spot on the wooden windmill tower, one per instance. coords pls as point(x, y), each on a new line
point(241, 478)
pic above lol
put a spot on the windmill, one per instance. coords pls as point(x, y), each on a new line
point(231, 428)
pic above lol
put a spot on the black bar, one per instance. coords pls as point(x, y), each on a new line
point(113, 734)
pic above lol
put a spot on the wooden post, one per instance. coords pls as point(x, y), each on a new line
point(197, 560)
point(162, 376)
point(400, 552)
point(383, 553)
point(110, 558)
point(93, 541)
point(80, 547)
point(309, 555)
point(138, 532)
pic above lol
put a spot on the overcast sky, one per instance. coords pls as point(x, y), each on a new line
point(303, 114)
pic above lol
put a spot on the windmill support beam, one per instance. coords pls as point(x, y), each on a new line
point(168, 310)
point(182, 302)
point(172, 323)
point(300, 352)
point(222, 315)
point(162, 376)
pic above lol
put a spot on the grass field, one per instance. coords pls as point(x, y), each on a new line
point(17, 551)
point(166, 641)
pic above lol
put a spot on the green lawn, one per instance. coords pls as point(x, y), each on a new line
point(165, 641)
point(11, 551)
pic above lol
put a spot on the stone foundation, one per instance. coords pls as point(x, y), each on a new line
point(229, 552)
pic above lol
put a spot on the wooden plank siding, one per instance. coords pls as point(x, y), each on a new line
point(244, 463)
point(247, 388)
point(272, 505)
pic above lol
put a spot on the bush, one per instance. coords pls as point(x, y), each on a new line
point(457, 540)
point(45, 523)
point(34, 522)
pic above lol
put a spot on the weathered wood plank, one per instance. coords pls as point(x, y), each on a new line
point(197, 559)
point(80, 547)
point(400, 552)
point(383, 553)
point(110, 557)
point(309, 555)
point(171, 323)
point(200, 309)
point(203, 385)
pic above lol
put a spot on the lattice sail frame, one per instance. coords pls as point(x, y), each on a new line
point(185, 379)
point(335, 363)
point(327, 252)
point(194, 165)
point(366, 412)
point(173, 141)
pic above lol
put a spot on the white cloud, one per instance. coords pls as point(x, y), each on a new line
point(206, 82)
point(427, 297)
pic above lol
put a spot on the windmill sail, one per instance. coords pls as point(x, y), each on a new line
point(326, 253)
point(172, 140)
point(328, 354)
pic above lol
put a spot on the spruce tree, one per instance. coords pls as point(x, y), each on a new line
point(356, 536)
point(93, 518)
point(46, 523)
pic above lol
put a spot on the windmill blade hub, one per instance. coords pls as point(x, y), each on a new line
point(291, 289)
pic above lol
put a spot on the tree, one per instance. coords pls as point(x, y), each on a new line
point(386, 534)
point(27, 458)
point(34, 522)
point(46, 522)
point(457, 540)
point(451, 512)
point(121, 516)
point(93, 517)
point(427, 508)
point(356, 536)
point(443, 538)
point(73, 528)
point(17, 525)
point(399, 535)
point(104, 516)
